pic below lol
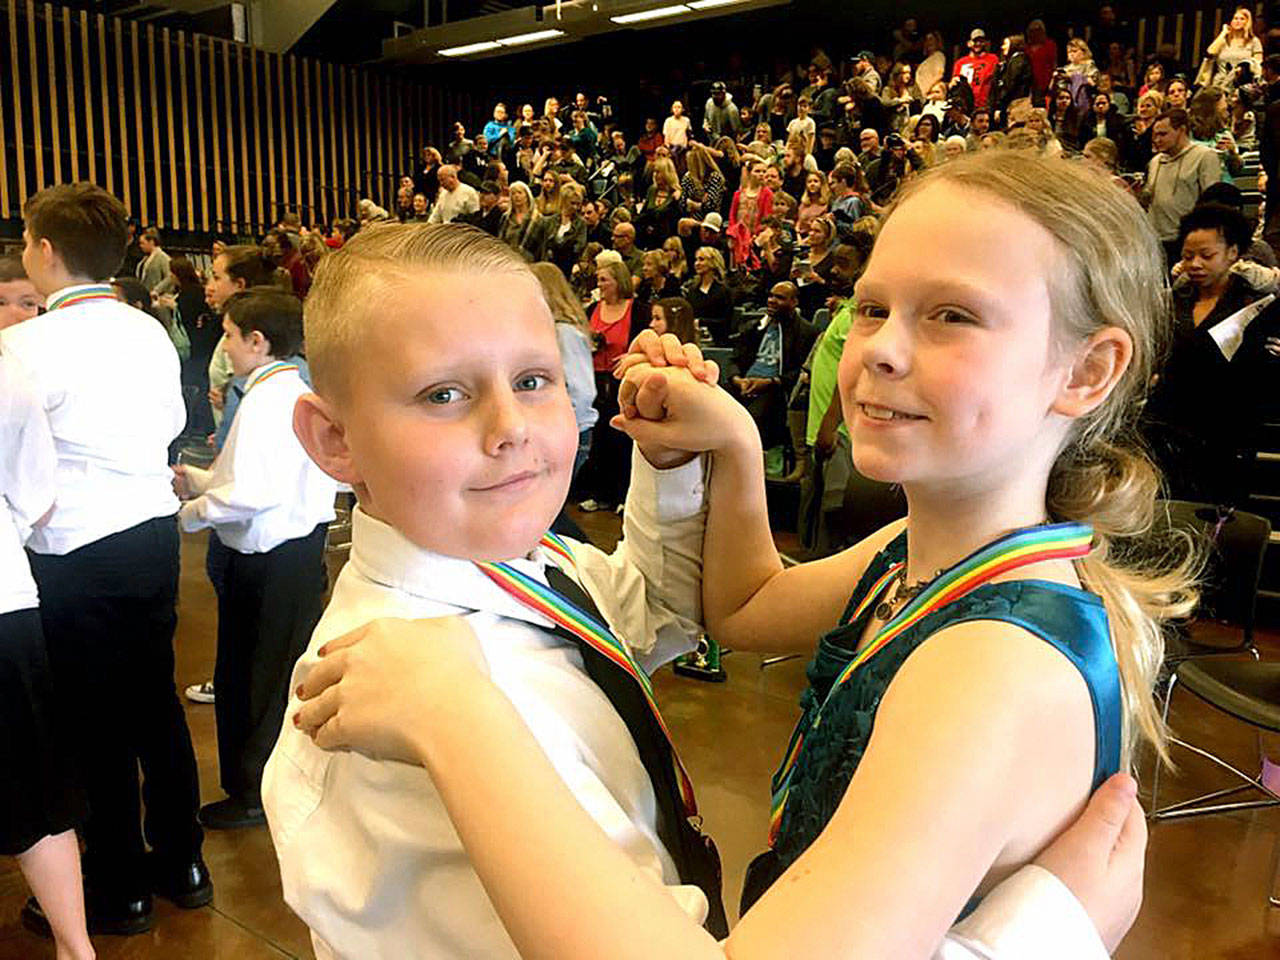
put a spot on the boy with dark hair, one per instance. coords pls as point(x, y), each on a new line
point(270, 506)
point(106, 559)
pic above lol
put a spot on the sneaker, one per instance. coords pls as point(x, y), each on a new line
point(591, 506)
point(200, 692)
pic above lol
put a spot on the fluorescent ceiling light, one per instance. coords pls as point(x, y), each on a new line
point(470, 48)
point(712, 4)
point(523, 38)
point(656, 13)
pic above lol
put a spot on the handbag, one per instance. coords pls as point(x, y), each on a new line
point(1208, 67)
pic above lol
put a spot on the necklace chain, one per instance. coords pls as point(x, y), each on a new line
point(903, 594)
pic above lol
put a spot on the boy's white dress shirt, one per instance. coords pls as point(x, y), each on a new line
point(107, 377)
point(263, 489)
point(27, 469)
point(369, 858)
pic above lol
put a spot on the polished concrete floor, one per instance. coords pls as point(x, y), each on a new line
point(1207, 878)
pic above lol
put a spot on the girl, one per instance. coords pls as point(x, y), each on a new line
point(998, 392)
point(674, 315)
point(751, 204)
point(609, 466)
point(574, 338)
point(1080, 61)
point(815, 203)
point(901, 97)
point(1154, 79)
point(702, 185)
point(675, 129)
point(1236, 44)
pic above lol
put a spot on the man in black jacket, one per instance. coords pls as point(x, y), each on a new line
point(489, 217)
point(770, 356)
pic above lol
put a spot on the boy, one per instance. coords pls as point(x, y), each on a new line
point(106, 560)
point(803, 125)
point(270, 506)
point(18, 297)
point(460, 451)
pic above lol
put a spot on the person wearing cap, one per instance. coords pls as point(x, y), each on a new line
point(707, 232)
point(864, 69)
point(891, 169)
point(720, 115)
point(979, 67)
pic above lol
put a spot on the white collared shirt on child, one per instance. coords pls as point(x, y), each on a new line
point(263, 489)
point(369, 858)
point(107, 376)
point(28, 465)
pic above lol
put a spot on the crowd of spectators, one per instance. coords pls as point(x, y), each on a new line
point(744, 207)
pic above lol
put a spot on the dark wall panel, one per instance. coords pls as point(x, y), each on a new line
point(194, 133)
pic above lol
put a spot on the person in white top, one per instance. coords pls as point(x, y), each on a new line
point(675, 129)
point(270, 506)
point(38, 791)
point(106, 560)
point(455, 197)
point(460, 452)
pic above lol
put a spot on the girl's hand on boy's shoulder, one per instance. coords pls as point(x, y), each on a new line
point(374, 688)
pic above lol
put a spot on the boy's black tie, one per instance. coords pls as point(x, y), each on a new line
point(694, 854)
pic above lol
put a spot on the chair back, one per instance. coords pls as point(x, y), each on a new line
point(1235, 543)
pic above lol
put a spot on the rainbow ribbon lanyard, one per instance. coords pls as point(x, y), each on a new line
point(544, 600)
point(1018, 549)
point(270, 370)
point(97, 291)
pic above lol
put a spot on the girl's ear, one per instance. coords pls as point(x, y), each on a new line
point(324, 437)
point(1098, 366)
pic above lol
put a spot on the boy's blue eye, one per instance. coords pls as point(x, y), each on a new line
point(532, 381)
point(443, 395)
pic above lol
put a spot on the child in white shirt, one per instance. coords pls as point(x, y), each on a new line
point(803, 125)
point(460, 450)
point(38, 792)
point(270, 506)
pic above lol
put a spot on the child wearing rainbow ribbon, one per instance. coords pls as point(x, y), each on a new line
point(997, 390)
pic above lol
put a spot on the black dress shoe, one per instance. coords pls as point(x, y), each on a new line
point(120, 918)
point(187, 885)
point(230, 813)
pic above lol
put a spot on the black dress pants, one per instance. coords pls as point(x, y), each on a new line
point(108, 613)
point(267, 608)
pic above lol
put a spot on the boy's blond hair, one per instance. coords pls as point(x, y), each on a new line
point(355, 284)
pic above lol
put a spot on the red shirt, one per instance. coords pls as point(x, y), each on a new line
point(616, 336)
point(980, 72)
point(649, 143)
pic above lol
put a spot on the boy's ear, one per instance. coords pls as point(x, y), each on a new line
point(323, 436)
point(1098, 366)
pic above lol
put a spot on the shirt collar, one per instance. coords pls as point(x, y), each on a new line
point(384, 555)
point(77, 290)
point(267, 369)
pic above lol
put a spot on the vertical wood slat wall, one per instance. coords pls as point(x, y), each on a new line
point(199, 134)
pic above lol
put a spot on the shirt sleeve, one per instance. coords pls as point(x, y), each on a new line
point(27, 472)
point(650, 587)
point(250, 482)
point(1030, 915)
